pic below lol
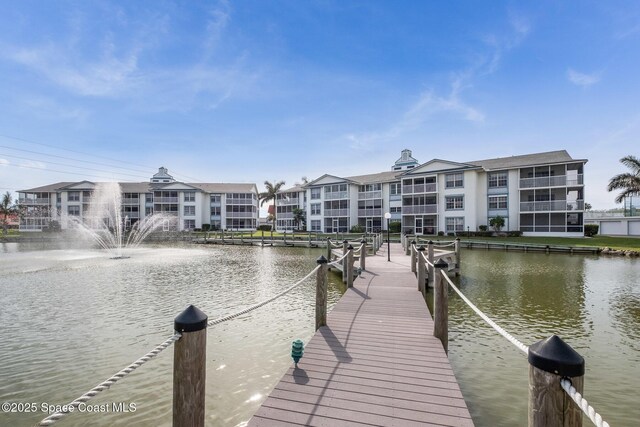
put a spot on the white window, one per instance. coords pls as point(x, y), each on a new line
point(189, 210)
point(454, 202)
point(316, 208)
point(190, 196)
point(316, 225)
point(454, 224)
point(315, 193)
point(395, 188)
point(73, 210)
point(396, 209)
point(215, 210)
point(189, 224)
point(497, 179)
point(497, 202)
point(73, 196)
point(216, 198)
point(454, 180)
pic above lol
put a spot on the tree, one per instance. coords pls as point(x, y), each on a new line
point(629, 183)
point(270, 195)
point(7, 208)
point(587, 206)
point(299, 217)
point(497, 223)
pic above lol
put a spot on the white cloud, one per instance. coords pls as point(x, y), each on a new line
point(582, 79)
point(4, 162)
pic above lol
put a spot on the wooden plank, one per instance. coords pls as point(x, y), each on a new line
point(375, 363)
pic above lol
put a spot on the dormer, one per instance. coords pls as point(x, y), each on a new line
point(162, 177)
point(405, 161)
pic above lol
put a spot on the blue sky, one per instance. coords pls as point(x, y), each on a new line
point(253, 90)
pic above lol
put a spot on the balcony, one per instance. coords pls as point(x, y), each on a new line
point(419, 188)
point(370, 212)
point(287, 202)
point(370, 195)
point(419, 209)
point(336, 212)
point(552, 181)
point(552, 205)
point(336, 195)
point(130, 201)
point(240, 201)
point(241, 215)
point(172, 200)
point(284, 215)
point(38, 201)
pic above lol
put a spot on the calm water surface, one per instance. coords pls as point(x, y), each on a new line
point(71, 318)
point(592, 303)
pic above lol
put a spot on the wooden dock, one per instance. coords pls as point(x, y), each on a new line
point(375, 363)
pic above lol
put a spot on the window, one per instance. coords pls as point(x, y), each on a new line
point(454, 180)
point(497, 202)
point(148, 211)
point(215, 210)
point(396, 209)
point(73, 210)
point(454, 202)
point(454, 224)
point(190, 196)
point(216, 198)
point(189, 224)
point(316, 225)
point(73, 196)
point(148, 198)
point(497, 179)
point(315, 193)
point(315, 208)
point(189, 210)
point(395, 188)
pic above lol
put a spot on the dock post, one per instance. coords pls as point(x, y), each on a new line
point(431, 258)
point(421, 270)
point(456, 246)
point(309, 239)
point(189, 368)
point(262, 238)
point(441, 305)
point(407, 242)
point(550, 361)
point(345, 243)
point(232, 242)
point(363, 254)
point(285, 238)
point(349, 266)
point(321, 293)
point(414, 258)
point(329, 249)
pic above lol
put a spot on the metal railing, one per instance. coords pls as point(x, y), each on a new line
point(419, 188)
point(552, 181)
point(552, 205)
point(370, 195)
point(419, 209)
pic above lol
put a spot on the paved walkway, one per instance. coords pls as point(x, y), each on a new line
point(375, 363)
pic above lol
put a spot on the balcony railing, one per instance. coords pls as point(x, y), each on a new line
point(552, 181)
point(336, 195)
point(38, 201)
point(419, 188)
point(173, 200)
point(129, 201)
point(552, 205)
point(240, 201)
point(336, 212)
point(370, 195)
point(370, 212)
point(285, 215)
point(282, 202)
point(419, 209)
point(241, 214)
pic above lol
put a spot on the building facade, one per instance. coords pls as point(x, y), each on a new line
point(187, 205)
point(538, 194)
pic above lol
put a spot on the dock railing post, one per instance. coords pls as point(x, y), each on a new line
point(456, 247)
point(431, 258)
point(421, 270)
point(321, 293)
point(345, 260)
point(441, 305)
point(363, 254)
point(189, 368)
point(262, 238)
point(349, 266)
point(329, 249)
point(414, 258)
point(407, 243)
point(550, 361)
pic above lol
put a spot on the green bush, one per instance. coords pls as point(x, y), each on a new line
point(440, 233)
point(206, 227)
point(514, 233)
point(451, 234)
point(483, 228)
point(395, 226)
point(591, 230)
point(357, 229)
point(264, 227)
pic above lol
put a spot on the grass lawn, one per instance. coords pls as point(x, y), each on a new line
point(622, 243)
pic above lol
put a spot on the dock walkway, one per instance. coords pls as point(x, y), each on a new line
point(375, 363)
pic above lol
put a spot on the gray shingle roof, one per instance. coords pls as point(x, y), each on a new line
point(147, 187)
point(386, 176)
point(51, 188)
point(559, 156)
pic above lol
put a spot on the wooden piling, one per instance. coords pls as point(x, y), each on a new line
point(441, 305)
point(421, 270)
point(414, 258)
point(431, 258)
point(363, 254)
point(456, 247)
point(349, 272)
point(550, 361)
point(189, 368)
point(321, 293)
point(345, 243)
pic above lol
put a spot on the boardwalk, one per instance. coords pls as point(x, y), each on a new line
point(375, 363)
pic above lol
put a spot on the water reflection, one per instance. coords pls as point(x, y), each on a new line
point(76, 317)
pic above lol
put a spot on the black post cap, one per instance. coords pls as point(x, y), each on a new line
point(441, 264)
point(413, 242)
point(556, 356)
point(350, 247)
point(345, 241)
point(430, 242)
point(321, 260)
point(363, 240)
point(192, 319)
point(457, 238)
point(421, 248)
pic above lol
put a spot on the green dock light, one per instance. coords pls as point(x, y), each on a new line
point(297, 350)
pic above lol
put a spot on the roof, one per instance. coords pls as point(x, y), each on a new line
point(209, 187)
point(146, 187)
point(294, 189)
point(560, 156)
point(386, 176)
point(51, 188)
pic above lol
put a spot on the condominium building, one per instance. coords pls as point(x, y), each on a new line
point(538, 194)
point(187, 205)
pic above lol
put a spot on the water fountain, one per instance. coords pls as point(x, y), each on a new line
point(105, 224)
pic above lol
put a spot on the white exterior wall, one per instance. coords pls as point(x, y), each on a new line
point(481, 201)
point(353, 205)
point(514, 199)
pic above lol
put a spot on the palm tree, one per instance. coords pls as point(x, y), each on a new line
point(629, 183)
point(299, 217)
point(6, 208)
point(270, 195)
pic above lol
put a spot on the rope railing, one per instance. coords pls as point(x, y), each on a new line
point(70, 407)
point(426, 259)
point(336, 262)
point(565, 383)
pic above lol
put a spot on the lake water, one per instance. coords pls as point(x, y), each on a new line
point(71, 318)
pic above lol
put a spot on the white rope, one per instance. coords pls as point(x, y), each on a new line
point(486, 318)
point(260, 304)
point(51, 419)
point(426, 259)
point(583, 404)
point(336, 263)
point(444, 245)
